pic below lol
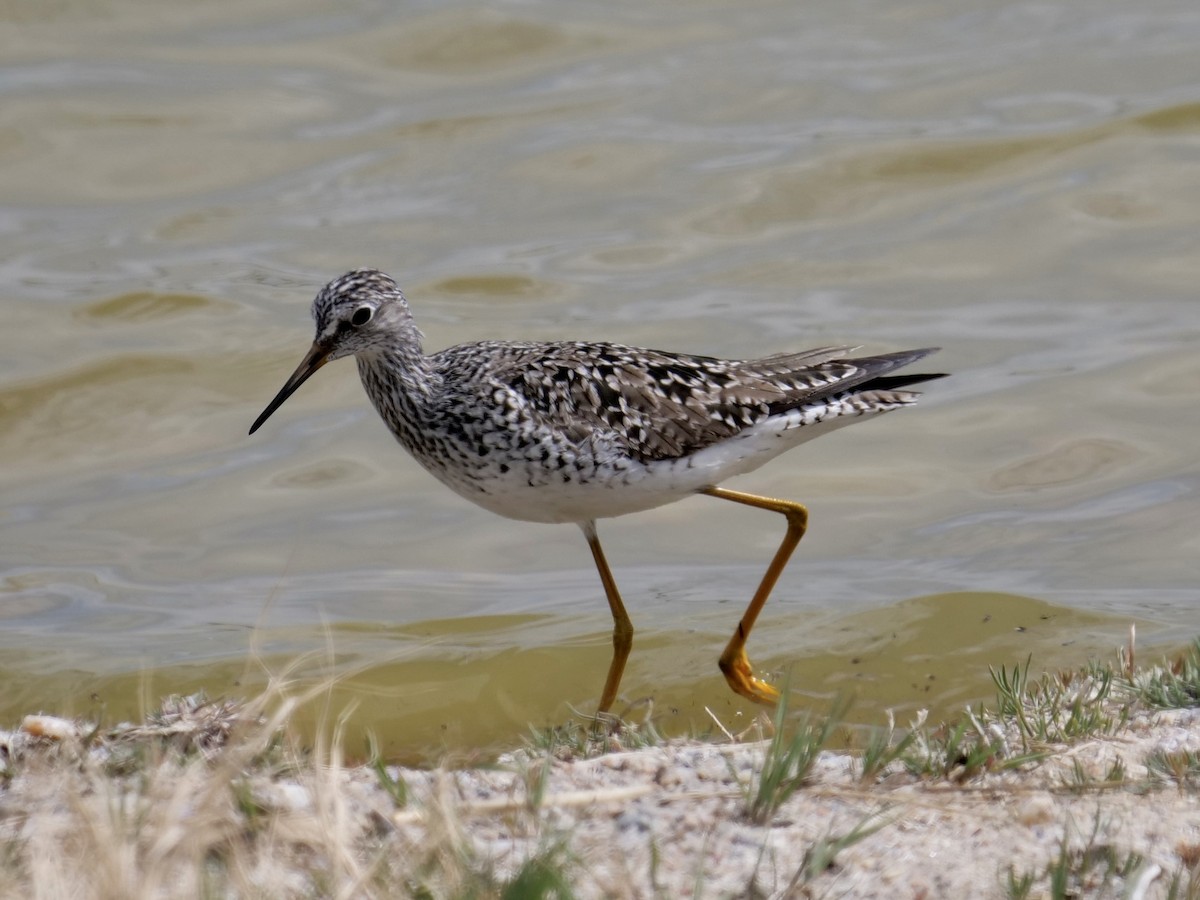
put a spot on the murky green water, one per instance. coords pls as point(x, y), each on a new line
point(1017, 184)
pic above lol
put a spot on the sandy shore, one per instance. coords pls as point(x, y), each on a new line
point(205, 799)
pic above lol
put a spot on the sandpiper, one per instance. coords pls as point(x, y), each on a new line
point(580, 431)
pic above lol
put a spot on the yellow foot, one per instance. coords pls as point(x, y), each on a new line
point(735, 665)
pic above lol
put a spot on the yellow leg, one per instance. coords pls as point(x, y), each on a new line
point(734, 663)
point(622, 626)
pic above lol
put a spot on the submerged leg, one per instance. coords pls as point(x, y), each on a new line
point(622, 626)
point(734, 663)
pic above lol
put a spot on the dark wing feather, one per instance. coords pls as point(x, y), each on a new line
point(667, 405)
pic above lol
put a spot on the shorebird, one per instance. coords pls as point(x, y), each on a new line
point(579, 431)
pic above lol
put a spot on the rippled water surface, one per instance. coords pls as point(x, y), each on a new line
point(1016, 183)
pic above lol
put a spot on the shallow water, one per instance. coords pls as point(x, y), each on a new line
point(1015, 183)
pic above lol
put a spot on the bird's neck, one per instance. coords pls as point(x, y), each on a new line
point(401, 382)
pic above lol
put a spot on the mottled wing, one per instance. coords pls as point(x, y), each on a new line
point(658, 405)
point(667, 405)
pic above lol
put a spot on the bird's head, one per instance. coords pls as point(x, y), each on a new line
point(359, 312)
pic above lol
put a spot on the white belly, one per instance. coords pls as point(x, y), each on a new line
point(530, 493)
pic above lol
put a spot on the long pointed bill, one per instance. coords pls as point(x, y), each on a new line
point(316, 357)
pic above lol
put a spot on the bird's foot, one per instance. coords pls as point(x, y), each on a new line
point(735, 666)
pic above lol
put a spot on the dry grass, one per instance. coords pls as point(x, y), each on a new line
point(209, 799)
point(216, 799)
point(192, 803)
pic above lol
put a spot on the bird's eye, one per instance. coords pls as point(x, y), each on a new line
point(361, 316)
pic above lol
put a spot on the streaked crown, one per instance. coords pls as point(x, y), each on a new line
point(360, 311)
